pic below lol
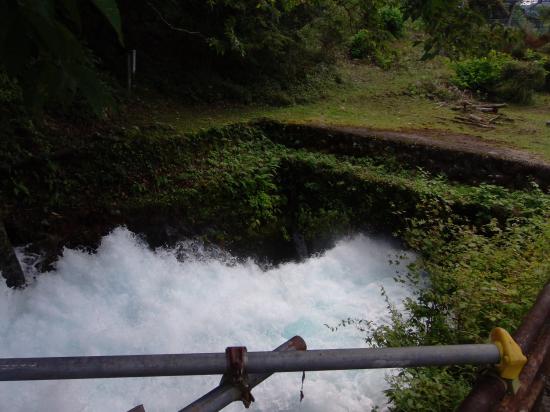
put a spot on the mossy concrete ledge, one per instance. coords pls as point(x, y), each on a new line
point(465, 159)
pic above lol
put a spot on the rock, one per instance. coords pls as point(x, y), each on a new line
point(9, 265)
point(300, 245)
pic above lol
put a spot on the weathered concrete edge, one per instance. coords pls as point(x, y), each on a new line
point(458, 163)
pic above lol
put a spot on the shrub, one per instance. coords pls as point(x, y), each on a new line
point(12, 111)
point(9, 90)
point(519, 80)
point(367, 44)
point(543, 61)
point(480, 74)
point(467, 268)
point(392, 20)
point(362, 44)
point(413, 389)
point(498, 75)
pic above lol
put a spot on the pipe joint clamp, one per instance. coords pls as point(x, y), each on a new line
point(512, 359)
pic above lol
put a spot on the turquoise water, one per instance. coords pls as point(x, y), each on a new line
point(127, 299)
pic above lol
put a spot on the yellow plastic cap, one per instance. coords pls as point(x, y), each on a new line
point(512, 359)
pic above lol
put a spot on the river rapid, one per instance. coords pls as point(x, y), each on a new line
point(129, 299)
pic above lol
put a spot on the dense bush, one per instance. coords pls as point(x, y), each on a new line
point(372, 46)
point(413, 389)
point(392, 20)
point(10, 93)
point(460, 29)
point(480, 74)
point(544, 62)
point(41, 48)
point(362, 44)
point(519, 80)
point(233, 49)
point(381, 22)
point(468, 267)
point(500, 76)
point(201, 50)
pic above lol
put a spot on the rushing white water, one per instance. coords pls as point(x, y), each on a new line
point(127, 299)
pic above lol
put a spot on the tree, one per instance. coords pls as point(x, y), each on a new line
point(458, 27)
point(42, 49)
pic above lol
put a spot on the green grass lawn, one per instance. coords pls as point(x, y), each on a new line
point(371, 97)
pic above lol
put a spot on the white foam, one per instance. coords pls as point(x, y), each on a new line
point(127, 299)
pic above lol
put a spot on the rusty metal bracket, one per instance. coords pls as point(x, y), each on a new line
point(226, 392)
point(236, 357)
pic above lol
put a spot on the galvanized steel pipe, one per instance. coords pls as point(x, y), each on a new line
point(94, 367)
point(372, 358)
point(227, 393)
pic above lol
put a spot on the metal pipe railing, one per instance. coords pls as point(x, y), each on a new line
point(228, 392)
point(93, 367)
point(372, 358)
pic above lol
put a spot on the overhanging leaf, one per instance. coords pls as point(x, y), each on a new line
point(111, 12)
point(72, 11)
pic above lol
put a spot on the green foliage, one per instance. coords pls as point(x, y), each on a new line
point(244, 50)
point(40, 47)
point(519, 80)
point(480, 74)
point(470, 267)
point(372, 46)
point(428, 389)
point(460, 29)
point(381, 22)
point(221, 49)
point(498, 75)
point(246, 182)
point(109, 9)
point(17, 129)
point(543, 61)
point(251, 50)
point(392, 20)
point(363, 45)
point(10, 93)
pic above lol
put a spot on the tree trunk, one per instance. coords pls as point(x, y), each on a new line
point(9, 265)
